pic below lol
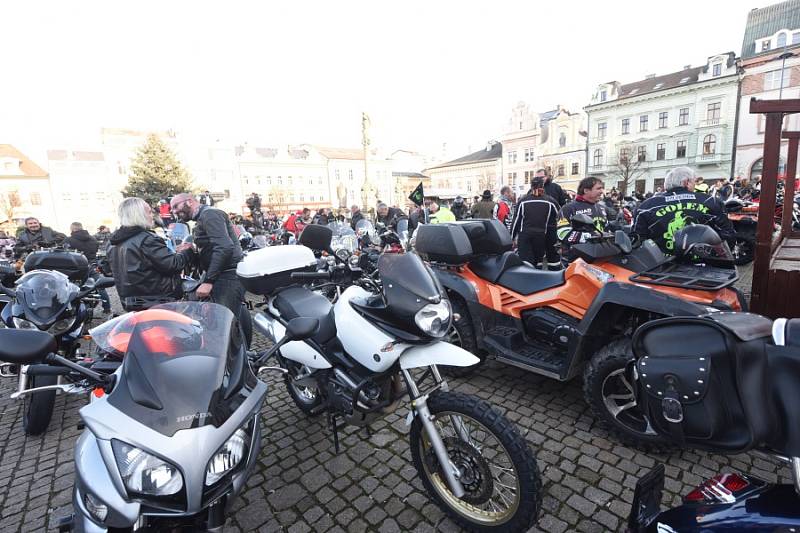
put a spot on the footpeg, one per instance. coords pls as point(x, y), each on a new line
point(9, 370)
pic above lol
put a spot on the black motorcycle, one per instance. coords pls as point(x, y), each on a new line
point(47, 300)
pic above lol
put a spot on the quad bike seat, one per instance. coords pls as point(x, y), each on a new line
point(509, 271)
point(294, 302)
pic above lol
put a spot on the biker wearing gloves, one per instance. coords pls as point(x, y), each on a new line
point(660, 217)
point(218, 248)
point(140, 261)
point(534, 226)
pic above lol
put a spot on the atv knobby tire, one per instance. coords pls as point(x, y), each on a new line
point(605, 374)
point(463, 336)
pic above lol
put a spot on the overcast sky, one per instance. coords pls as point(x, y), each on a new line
point(427, 72)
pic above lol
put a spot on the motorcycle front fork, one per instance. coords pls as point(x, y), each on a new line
point(419, 407)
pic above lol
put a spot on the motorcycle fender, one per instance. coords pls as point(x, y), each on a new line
point(297, 351)
point(92, 475)
point(437, 353)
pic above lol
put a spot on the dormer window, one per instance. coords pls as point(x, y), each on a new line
point(684, 80)
point(603, 95)
point(658, 86)
point(716, 70)
point(634, 91)
point(781, 40)
point(765, 45)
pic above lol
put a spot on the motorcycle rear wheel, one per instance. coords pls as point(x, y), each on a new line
point(38, 407)
point(503, 488)
point(307, 399)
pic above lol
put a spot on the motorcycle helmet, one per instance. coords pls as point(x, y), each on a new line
point(698, 243)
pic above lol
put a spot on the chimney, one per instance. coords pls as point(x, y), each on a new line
point(650, 76)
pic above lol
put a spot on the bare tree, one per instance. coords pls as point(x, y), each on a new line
point(9, 202)
point(628, 167)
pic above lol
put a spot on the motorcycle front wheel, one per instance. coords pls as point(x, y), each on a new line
point(38, 408)
point(497, 468)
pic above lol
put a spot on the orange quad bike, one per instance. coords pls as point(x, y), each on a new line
point(576, 321)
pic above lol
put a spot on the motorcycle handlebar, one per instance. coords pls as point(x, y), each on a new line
point(8, 292)
point(311, 275)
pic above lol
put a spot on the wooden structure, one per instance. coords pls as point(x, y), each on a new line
point(776, 270)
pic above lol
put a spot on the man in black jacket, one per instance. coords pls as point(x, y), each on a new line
point(534, 226)
point(355, 216)
point(80, 240)
point(388, 216)
point(553, 189)
point(659, 217)
point(587, 202)
point(218, 249)
point(35, 234)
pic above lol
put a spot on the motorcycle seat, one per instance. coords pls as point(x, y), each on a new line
point(491, 267)
point(294, 302)
point(21, 346)
point(525, 280)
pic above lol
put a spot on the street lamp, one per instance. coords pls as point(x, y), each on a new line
point(784, 56)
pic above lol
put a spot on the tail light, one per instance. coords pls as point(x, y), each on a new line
point(723, 488)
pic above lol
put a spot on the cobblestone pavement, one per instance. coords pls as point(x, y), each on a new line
point(302, 485)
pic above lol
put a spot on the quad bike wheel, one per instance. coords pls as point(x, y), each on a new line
point(609, 392)
point(462, 334)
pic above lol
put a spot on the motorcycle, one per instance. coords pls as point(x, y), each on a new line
point(46, 300)
point(173, 434)
point(743, 215)
point(380, 334)
point(733, 389)
point(572, 322)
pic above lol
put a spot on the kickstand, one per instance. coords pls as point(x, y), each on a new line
point(335, 429)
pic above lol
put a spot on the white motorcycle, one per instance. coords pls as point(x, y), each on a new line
point(379, 341)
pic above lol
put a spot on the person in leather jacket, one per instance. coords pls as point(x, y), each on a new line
point(356, 216)
point(218, 249)
point(661, 216)
point(35, 234)
point(388, 216)
point(139, 260)
point(534, 227)
point(80, 240)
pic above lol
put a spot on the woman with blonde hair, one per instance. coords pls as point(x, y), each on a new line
point(140, 261)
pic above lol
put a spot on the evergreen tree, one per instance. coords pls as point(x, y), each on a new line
point(156, 173)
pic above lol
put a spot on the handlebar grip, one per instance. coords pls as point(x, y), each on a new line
point(311, 275)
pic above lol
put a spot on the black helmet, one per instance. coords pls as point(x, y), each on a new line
point(699, 243)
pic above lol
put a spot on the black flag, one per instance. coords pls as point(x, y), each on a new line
point(417, 196)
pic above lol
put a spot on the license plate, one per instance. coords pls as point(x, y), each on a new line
point(646, 500)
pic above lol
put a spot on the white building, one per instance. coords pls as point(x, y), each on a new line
point(521, 147)
point(83, 189)
point(24, 191)
point(770, 32)
point(685, 118)
point(346, 175)
point(468, 176)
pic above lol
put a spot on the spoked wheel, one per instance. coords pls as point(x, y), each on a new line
point(461, 334)
point(495, 465)
point(305, 397)
point(38, 407)
point(611, 396)
point(743, 251)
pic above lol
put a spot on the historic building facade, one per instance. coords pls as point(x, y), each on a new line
point(639, 131)
point(25, 191)
point(468, 176)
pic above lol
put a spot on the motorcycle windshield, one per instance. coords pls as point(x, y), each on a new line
point(178, 232)
point(183, 365)
point(44, 295)
point(408, 285)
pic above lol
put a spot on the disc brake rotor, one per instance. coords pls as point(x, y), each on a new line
point(476, 476)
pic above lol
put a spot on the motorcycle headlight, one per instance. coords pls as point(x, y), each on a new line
point(434, 319)
point(343, 254)
point(144, 473)
point(226, 459)
point(62, 326)
point(21, 323)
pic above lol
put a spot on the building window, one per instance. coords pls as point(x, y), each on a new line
point(765, 45)
point(528, 155)
point(319, 180)
point(796, 37)
point(67, 196)
point(36, 198)
point(713, 112)
point(716, 70)
point(643, 122)
point(336, 173)
point(350, 174)
point(661, 152)
point(709, 144)
point(602, 127)
point(662, 119)
point(562, 140)
point(512, 178)
point(681, 149)
point(683, 116)
point(626, 126)
point(84, 197)
point(624, 153)
point(603, 95)
point(512, 157)
point(528, 176)
point(781, 40)
point(597, 159)
point(268, 180)
point(560, 170)
point(575, 169)
point(772, 79)
point(641, 153)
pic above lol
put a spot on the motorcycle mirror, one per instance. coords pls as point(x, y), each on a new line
point(622, 240)
point(301, 328)
point(25, 347)
point(103, 282)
